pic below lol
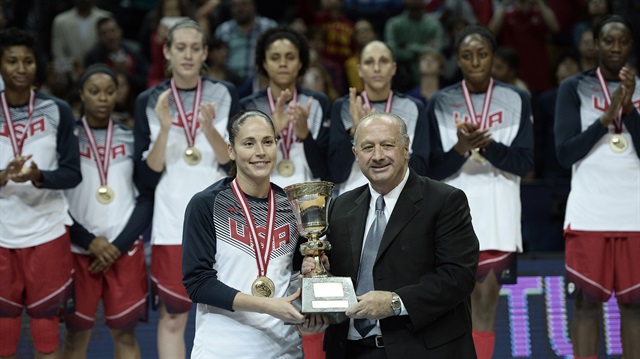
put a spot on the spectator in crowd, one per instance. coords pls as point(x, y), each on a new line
point(123, 112)
point(376, 11)
point(338, 29)
point(596, 11)
point(153, 36)
point(217, 62)
point(430, 67)
point(597, 133)
point(121, 54)
point(220, 269)
point(58, 80)
point(180, 131)
point(409, 34)
point(74, 33)
point(299, 114)
point(482, 143)
point(523, 25)
point(546, 162)
point(109, 217)
point(506, 64)
point(363, 34)
point(414, 277)
point(241, 33)
point(317, 38)
point(317, 78)
point(377, 68)
point(38, 160)
point(587, 51)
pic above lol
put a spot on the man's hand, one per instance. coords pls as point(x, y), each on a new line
point(373, 305)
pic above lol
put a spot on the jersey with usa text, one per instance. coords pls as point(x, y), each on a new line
point(105, 220)
point(180, 180)
point(308, 157)
point(605, 184)
point(344, 169)
point(219, 261)
point(492, 183)
point(35, 215)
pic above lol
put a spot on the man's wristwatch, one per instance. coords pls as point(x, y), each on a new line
point(396, 305)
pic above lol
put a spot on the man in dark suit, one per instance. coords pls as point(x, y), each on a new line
point(413, 283)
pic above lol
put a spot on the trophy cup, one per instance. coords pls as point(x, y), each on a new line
point(321, 293)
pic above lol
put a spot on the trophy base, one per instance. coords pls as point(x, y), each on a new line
point(328, 295)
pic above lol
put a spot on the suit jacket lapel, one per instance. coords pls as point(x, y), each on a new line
point(357, 222)
point(403, 212)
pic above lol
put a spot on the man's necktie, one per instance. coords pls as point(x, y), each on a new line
point(369, 253)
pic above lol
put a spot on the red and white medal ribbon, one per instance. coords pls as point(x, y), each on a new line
point(388, 105)
point(17, 141)
point(287, 135)
point(189, 129)
point(102, 162)
point(617, 122)
point(485, 106)
point(262, 257)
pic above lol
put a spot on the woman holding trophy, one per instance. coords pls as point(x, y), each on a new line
point(240, 244)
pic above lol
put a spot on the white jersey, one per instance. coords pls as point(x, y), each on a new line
point(180, 180)
point(217, 236)
point(106, 220)
point(605, 185)
point(492, 186)
point(30, 215)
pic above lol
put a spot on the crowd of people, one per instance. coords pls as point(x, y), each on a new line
point(427, 116)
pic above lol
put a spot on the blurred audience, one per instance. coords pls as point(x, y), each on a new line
point(506, 64)
point(74, 33)
point(120, 54)
point(241, 34)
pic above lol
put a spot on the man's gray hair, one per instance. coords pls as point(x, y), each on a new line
point(397, 119)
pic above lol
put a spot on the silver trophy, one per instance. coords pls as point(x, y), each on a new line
point(321, 293)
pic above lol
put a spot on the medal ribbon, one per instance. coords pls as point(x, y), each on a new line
point(485, 106)
point(18, 141)
point(387, 105)
point(617, 123)
point(261, 258)
point(189, 131)
point(101, 162)
point(286, 134)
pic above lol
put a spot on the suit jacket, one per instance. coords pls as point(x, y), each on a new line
point(428, 256)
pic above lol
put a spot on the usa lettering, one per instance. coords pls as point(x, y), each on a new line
point(176, 121)
point(117, 151)
point(242, 234)
point(495, 118)
point(35, 127)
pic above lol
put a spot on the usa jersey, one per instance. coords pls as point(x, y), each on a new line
point(343, 167)
point(105, 220)
point(309, 157)
point(605, 185)
point(493, 186)
point(35, 215)
point(180, 181)
point(219, 260)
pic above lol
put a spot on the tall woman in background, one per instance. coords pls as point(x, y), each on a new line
point(180, 130)
point(300, 115)
point(109, 217)
point(597, 132)
point(482, 142)
point(38, 159)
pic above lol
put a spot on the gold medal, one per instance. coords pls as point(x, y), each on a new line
point(263, 287)
point(192, 156)
point(618, 143)
point(476, 156)
point(105, 194)
point(286, 168)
